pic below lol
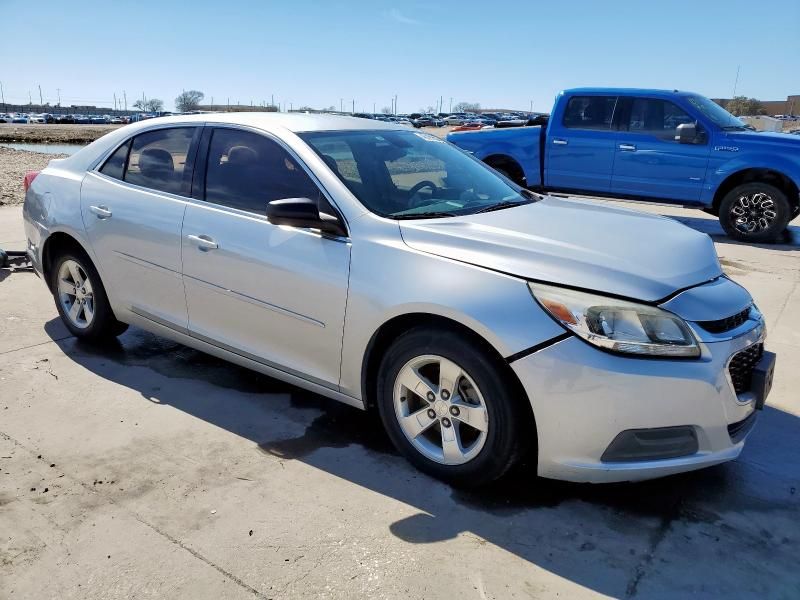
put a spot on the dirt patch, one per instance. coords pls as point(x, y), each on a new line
point(53, 134)
point(13, 166)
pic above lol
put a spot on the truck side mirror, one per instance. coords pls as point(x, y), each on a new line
point(686, 133)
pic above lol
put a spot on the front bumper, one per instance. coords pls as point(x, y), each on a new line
point(583, 398)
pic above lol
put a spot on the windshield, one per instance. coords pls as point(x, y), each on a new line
point(715, 112)
point(412, 175)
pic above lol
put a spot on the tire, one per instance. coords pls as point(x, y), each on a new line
point(504, 429)
point(755, 212)
point(94, 321)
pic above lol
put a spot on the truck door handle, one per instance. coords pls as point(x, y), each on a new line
point(203, 242)
point(559, 142)
point(102, 212)
point(628, 147)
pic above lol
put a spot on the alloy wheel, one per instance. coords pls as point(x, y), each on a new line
point(440, 410)
point(754, 213)
point(75, 294)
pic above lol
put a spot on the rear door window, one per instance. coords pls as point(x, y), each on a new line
point(158, 160)
point(247, 171)
point(590, 112)
point(115, 164)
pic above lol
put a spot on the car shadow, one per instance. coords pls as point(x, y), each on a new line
point(602, 537)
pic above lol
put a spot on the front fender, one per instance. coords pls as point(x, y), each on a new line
point(786, 164)
point(388, 280)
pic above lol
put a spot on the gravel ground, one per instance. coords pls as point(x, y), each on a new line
point(53, 134)
point(13, 166)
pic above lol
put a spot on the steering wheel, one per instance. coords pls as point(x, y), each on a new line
point(422, 184)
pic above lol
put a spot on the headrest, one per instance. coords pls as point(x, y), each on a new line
point(155, 162)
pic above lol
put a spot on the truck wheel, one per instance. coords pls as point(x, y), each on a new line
point(449, 409)
point(81, 299)
point(754, 212)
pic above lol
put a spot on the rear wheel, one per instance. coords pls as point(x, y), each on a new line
point(81, 299)
point(755, 212)
point(449, 408)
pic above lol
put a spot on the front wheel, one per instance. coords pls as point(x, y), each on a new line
point(81, 299)
point(755, 212)
point(450, 409)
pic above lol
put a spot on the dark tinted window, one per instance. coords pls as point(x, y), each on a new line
point(158, 160)
point(115, 165)
point(590, 112)
point(247, 171)
point(656, 117)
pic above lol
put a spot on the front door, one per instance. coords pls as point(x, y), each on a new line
point(132, 209)
point(273, 294)
point(650, 162)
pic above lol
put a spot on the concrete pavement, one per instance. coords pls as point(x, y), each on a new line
point(146, 469)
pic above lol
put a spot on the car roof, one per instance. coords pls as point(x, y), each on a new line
point(270, 121)
point(627, 91)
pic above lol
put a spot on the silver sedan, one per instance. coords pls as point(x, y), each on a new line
point(387, 269)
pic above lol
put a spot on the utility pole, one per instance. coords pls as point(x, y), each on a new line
point(125, 97)
point(451, 104)
point(736, 82)
point(30, 100)
point(115, 101)
point(58, 92)
point(395, 104)
point(41, 102)
point(352, 112)
point(441, 102)
point(2, 95)
point(531, 105)
point(373, 108)
point(272, 102)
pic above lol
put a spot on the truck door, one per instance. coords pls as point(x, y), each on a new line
point(649, 161)
point(581, 144)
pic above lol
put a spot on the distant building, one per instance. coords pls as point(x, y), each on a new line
point(236, 108)
point(790, 106)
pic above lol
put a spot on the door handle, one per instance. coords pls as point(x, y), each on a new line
point(560, 142)
point(102, 212)
point(628, 147)
point(203, 242)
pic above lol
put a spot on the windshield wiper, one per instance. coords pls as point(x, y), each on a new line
point(502, 205)
point(425, 215)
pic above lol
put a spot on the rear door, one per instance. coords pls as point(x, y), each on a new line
point(132, 208)
point(273, 294)
point(649, 161)
point(580, 144)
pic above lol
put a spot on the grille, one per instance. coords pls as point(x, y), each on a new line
point(741, 367)
point(723, 325)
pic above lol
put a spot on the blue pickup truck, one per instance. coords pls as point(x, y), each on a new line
point(667, 146)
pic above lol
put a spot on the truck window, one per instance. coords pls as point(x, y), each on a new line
point(659, 118)
point(590, 112)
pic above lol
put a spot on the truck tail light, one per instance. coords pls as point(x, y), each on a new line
point(28, 179)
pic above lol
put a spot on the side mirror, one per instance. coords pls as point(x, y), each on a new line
point(687, 133)
point(303, 212)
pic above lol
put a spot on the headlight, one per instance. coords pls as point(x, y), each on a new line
point(618, 325)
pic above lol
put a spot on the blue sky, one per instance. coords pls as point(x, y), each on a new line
point(504, 53)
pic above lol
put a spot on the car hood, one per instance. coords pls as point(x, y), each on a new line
point(573, 243)
point(771, 138)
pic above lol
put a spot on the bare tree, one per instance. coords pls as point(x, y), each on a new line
point(467, 107)
point(149, 105)
point(386, 110)
point(190, 100)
